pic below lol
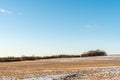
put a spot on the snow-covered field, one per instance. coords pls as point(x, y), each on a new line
point(103, 73)
point(86, 58)
point(94, 70)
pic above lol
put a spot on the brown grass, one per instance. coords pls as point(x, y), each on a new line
point(25, 68)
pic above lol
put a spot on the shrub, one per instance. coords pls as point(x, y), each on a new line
point(94, 53)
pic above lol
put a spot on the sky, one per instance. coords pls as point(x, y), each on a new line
point(52, 27)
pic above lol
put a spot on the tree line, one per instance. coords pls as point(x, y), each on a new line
point(28, 58)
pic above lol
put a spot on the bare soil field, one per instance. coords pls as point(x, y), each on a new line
point(88, 68)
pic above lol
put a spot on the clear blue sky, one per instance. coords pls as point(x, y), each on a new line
point(50, 27)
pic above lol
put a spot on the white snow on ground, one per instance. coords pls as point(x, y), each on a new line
point(84, 58)
point(101, 71)
point(112, 71)
point(104, 72)
point(41, 77)
point(49, 77)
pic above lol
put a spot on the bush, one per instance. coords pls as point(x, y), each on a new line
point(94, 53)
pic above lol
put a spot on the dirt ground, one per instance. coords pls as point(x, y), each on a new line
point(55, 66)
